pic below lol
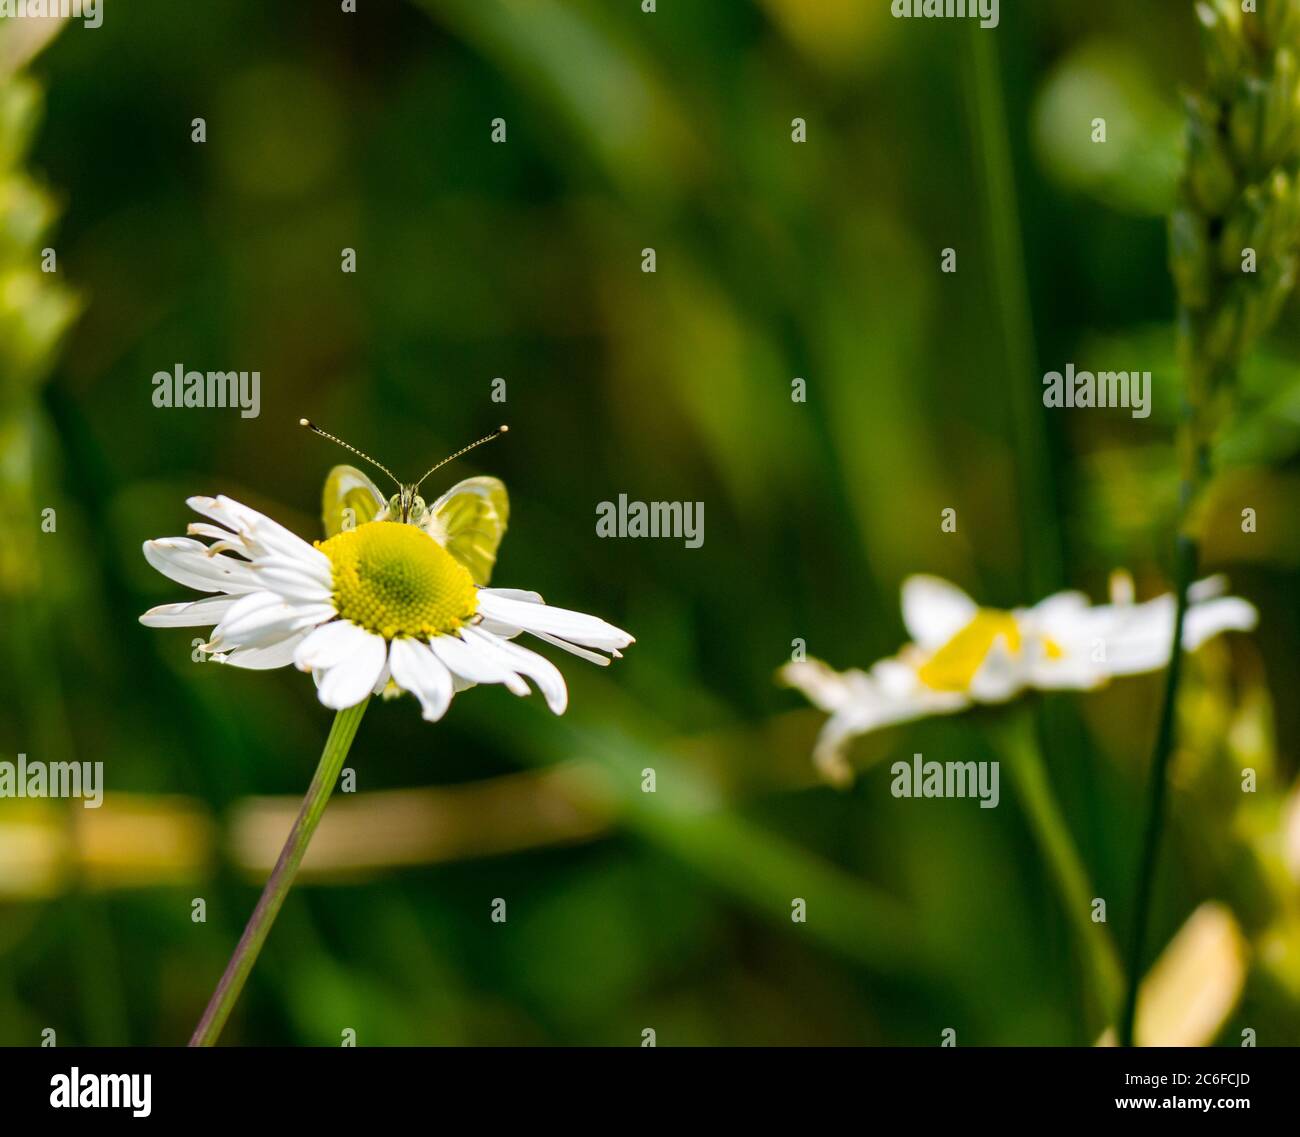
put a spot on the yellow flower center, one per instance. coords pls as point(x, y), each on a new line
point(396, 580)
point(954, 665)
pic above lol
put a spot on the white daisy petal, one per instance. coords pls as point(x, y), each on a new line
point(1059, 615)
point(257, 528)
point(279, 654)
point(1139, 640)
point(572, 649)
point(266, 625)
point(830, 752)
point(475, 664)
point(353, 677)
point(418, 670)
point(1122, 590)
point(1075, 671)
point(523, 595)
point(821, 684)
point(293, 581)
point(886, 696)
point(539, 669)
point(509, 631)
point(245, 608)
point(203, 613)
point(327, 645)
point(250, 604)
point(1208, 588)
point(576, 627)
point(1000, 675)
point(188, 562)
point(934, 611)
point(215, 532)
point(1209, 618)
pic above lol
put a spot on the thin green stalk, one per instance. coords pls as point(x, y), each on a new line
point(1196, 465)
point(1240, 193)
point(1034, 789)
point(282, 876)
point(1156, 795)
point(992, 146)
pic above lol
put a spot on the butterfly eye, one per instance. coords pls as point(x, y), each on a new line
point(395, 507)
point(417, 510)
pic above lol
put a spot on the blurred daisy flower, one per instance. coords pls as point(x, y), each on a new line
point(962, 654)
point(382, 607)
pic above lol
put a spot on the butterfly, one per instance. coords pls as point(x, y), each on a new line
point(468, 521)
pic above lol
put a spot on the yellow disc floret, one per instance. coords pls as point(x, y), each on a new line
point(953, 666)
point(396, 580)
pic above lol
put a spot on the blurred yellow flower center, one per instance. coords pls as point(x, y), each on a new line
point(954, 665)
point(396, 580)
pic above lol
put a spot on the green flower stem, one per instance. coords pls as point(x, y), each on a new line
point(1034, 789)
point(1196, 473)
point(282, 876)
point(1156, 795)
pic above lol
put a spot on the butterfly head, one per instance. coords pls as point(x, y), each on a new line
point(405, 506)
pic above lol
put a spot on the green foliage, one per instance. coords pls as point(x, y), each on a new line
point(1235, 239)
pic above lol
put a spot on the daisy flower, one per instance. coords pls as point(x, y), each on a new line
point(961, 654)
point(382, 607)
point(394, 599)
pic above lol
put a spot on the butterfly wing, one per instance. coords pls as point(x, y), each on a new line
point(348, 489)
point(469, 521)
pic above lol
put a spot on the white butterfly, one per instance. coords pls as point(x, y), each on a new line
point(468, 521)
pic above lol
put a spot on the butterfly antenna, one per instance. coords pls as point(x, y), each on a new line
point(464, 450)
point(348, 446)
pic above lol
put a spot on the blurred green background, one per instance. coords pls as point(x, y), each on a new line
point(475, 260)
